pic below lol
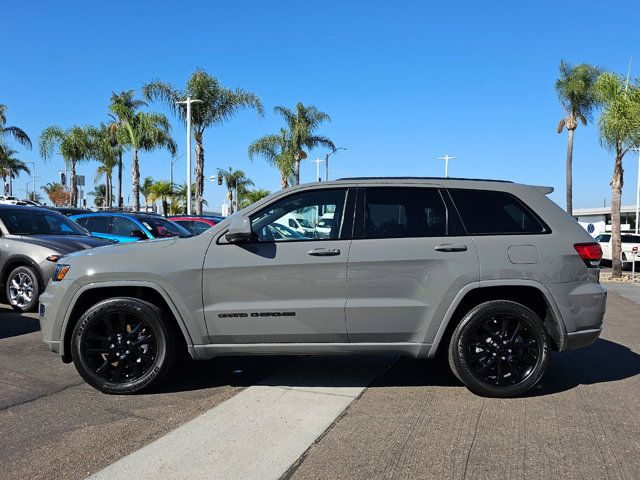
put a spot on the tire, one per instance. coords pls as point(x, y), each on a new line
point(22, 289)
point(499, 349)
point(123, 345)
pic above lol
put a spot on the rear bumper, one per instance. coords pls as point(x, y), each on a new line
point(582, 339)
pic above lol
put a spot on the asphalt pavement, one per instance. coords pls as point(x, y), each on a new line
point(320, 417)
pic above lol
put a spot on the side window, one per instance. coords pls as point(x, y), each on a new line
point(486, 212)
point(82, 222)
point(603, 238)
point(97, 224)
point(198, 227)
point(297, 217)
point(404, 212)
point(123, 226)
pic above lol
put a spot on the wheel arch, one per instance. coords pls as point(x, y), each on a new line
point(91, 294)
point(526, 292)
point(19, 261)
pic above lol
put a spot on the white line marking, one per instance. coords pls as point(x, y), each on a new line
point(260, 432)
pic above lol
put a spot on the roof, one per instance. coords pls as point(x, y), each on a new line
point(423, 178)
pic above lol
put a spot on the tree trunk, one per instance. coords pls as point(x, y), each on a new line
point(569, 172)
point(284, 182)
point(165, 206)
point(120, 178)
point(73, 188)
point(199, 173)
point(616, 192)
point(230, 197)
point(296, 169)
point(135, 178)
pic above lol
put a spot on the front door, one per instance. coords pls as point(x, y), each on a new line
point(408, 260)
point(283, 286)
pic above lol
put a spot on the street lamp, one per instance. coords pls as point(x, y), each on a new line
point(446, 159)
point(326, 162)
point(171, 162)
point(188, 103)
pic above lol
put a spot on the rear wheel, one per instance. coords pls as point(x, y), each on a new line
point(499, 349)
point(122, 345)
point(22, 289)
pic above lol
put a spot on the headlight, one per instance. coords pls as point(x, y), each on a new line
point(61, 271)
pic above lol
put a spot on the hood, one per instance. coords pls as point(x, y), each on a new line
point(132, 247)
point(65, 243)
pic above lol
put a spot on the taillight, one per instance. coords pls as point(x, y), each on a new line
point(591, 253)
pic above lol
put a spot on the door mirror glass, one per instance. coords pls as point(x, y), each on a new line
point(239, 230)
point(139, 234)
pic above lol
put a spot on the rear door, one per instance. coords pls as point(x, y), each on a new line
point(408, 260)
point(290, 289)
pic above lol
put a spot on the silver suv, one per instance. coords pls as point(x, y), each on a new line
point(492, 274)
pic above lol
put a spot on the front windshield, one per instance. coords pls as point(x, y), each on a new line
point(161, 228)
point(33, 222)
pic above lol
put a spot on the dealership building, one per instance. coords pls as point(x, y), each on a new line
point(598, 220)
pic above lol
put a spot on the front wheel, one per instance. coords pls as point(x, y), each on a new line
point(499, 349)
point(122, 345)
point(23, 289)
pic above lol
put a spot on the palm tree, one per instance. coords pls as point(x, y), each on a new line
point(218, 105)
point(145, 190)
point(275, 150)
point(162, 190)
point(123, 105)
point(575, 89)
point(17, 133)
point(619, 128)
point(56, 193)
point(74, 145)
point(302, 124)
point(104, 149)
point(179, 199)
point(34, 197)
point(10, 167)
point(234, 180)
point(252, 196)
point(100, 194)
point(145, 132)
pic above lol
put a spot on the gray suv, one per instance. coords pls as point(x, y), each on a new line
point(492, 274)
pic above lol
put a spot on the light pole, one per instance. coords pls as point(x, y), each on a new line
point(326, 162)
point(317, 161)
point(446, 159)
point(171, 162)
point(33, 176)
point(188, 103)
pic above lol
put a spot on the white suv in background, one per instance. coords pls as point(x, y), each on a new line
point(629, 241)
point(6, 200)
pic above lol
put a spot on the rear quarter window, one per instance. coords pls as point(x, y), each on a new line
point(486, 212)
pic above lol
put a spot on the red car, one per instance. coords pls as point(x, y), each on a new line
point(194, 224)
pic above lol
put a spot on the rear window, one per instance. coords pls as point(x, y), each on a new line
point(486, 212)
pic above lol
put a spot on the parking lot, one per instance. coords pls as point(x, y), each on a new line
point(403, 418)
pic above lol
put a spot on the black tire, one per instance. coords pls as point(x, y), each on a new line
point(499, 349)
point(22, 289)
point(123, 345)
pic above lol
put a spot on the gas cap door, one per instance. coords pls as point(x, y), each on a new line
point(523, 254)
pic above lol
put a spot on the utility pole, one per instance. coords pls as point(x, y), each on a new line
point(33, 177)
point(446, 159)
point(326, 162)
point(317, 161)
point(188, 103)
point(638, 191)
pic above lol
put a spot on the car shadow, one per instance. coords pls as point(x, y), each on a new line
point(13, 324)
point(604, 361)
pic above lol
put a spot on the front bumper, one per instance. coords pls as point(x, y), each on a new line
point(53, 307)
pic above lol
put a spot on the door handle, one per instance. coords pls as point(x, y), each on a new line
point(324, 252)
point(451, 248)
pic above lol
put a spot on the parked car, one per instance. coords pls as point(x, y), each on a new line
point(69, 211)
point(299, 223)
point(325, 223)
point(33, 240)
point(196, 224)
point(8, 200)
point(129, 227)
point(628, 241)
point(492, 274)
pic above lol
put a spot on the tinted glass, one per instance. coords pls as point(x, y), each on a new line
point(29, 222)
point(630, 238)
point(98, 224)
point(603, 238)
point(404, 212)
point(82, 222)
point(199, 227)
point(123, 226)
point(485, 212)
point(298, 216)
point(161, 228)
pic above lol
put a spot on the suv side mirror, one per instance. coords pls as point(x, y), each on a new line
point(239, 230)
point(139, 234)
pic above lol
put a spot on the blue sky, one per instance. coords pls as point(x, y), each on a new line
point(404, 82)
